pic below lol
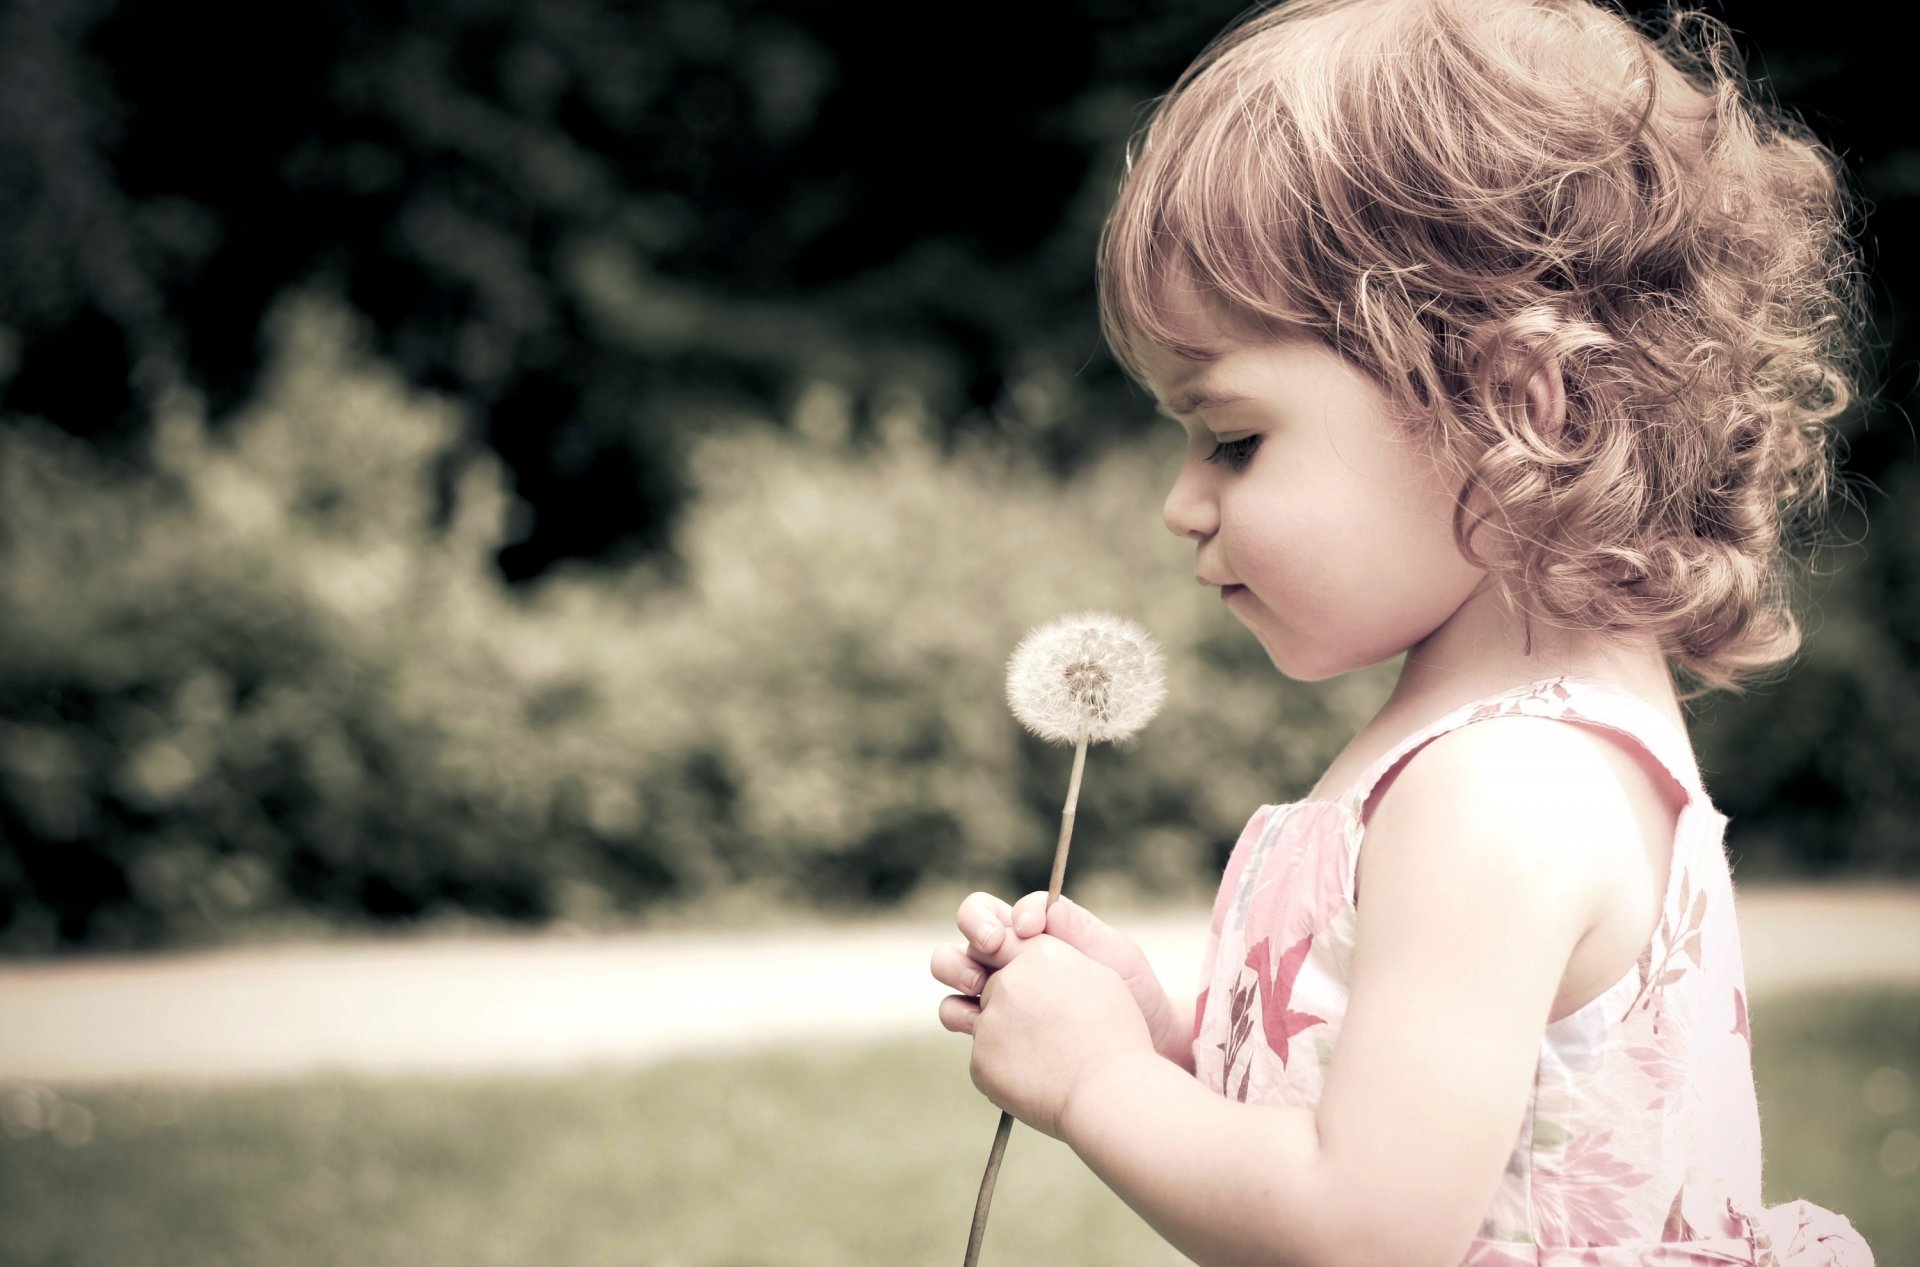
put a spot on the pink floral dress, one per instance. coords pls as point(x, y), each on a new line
point(1641, 1142)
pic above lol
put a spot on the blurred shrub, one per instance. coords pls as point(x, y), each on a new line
point(246, 684)
point(282, 676)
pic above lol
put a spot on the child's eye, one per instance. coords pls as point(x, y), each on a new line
point(1234, 454)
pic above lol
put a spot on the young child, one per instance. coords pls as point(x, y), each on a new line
point(1506, 336)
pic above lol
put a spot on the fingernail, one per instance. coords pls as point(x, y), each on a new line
point(987, 929)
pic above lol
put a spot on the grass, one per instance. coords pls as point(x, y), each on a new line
point(1839, 1083)
point(818, 1157)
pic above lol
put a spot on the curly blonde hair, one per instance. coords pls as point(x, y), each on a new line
point(1461, 195)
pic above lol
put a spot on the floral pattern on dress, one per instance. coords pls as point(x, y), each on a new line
point(1640, 1144)
point(1666, 1073)
point(1580, 1198)
point(1278, 1021)
point(1682, 941)
point(1299, 890)
point(1266, 996)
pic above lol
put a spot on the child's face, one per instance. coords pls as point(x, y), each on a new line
point(1332, 540)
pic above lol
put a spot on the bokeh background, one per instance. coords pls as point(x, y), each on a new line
point(583, 464)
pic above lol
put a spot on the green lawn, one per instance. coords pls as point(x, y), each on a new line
point(827, 1158)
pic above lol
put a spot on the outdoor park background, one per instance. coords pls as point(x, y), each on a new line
point(583, 465)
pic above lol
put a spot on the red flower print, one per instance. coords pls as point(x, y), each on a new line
point(1239, 1025)
point(1279, 1022)
point(1740, 1015)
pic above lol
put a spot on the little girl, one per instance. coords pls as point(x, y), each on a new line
point(1505, 336)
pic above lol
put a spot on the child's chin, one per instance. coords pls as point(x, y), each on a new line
point(1291, 667)
point(1296, 667)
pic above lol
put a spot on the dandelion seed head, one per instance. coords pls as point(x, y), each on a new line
point(1090, 671)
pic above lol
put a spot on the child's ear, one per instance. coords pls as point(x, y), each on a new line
point(1518, 367)
point(1547, 398)
point(1542, 392)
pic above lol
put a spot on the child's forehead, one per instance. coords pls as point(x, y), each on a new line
point(1188, 360)
point(1175, 374)
point(1191, 330)
point(1227, 373)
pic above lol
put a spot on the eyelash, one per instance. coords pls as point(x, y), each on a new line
point(1234, 454)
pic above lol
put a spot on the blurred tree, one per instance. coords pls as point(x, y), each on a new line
point(597, 224)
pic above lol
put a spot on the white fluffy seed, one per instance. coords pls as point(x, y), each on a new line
point(1091, 672)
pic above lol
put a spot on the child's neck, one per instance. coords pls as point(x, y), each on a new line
point(1482, 649)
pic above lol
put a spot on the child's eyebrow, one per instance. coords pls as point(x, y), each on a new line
point(1196, 398)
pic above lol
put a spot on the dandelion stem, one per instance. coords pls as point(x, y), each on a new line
point(1005, 1129)
point(985, 1199)
point(1066, 820)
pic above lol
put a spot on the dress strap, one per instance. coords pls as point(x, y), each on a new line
point(1567, 697)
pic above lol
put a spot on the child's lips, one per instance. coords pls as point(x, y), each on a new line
point(1227, 589)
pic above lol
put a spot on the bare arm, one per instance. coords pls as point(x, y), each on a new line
point(1477, 887)
point(1223, 1182)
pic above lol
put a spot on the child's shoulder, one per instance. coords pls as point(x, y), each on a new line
point(1585, 807)
point(1568, 741)
point(1548, 764)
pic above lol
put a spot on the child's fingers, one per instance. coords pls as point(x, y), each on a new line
point(954, 968)
point(983, 920)
point(1094, 938)
point(1030, 915)
point(1076, 924)
point(958, 1014)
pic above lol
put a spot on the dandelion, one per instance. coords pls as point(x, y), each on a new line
point(1088, 678)
point(1082, 679)
point(1091, 672)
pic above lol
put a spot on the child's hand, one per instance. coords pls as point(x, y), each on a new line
point(996, 932)
point(991, 943)
point(1047, 1021)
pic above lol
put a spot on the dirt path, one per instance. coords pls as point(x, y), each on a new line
point(504, 1004)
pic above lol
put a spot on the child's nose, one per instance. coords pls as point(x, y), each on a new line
point(1189, 510)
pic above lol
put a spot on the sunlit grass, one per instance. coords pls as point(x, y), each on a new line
point(816, 1157)
point(1839, 1082)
